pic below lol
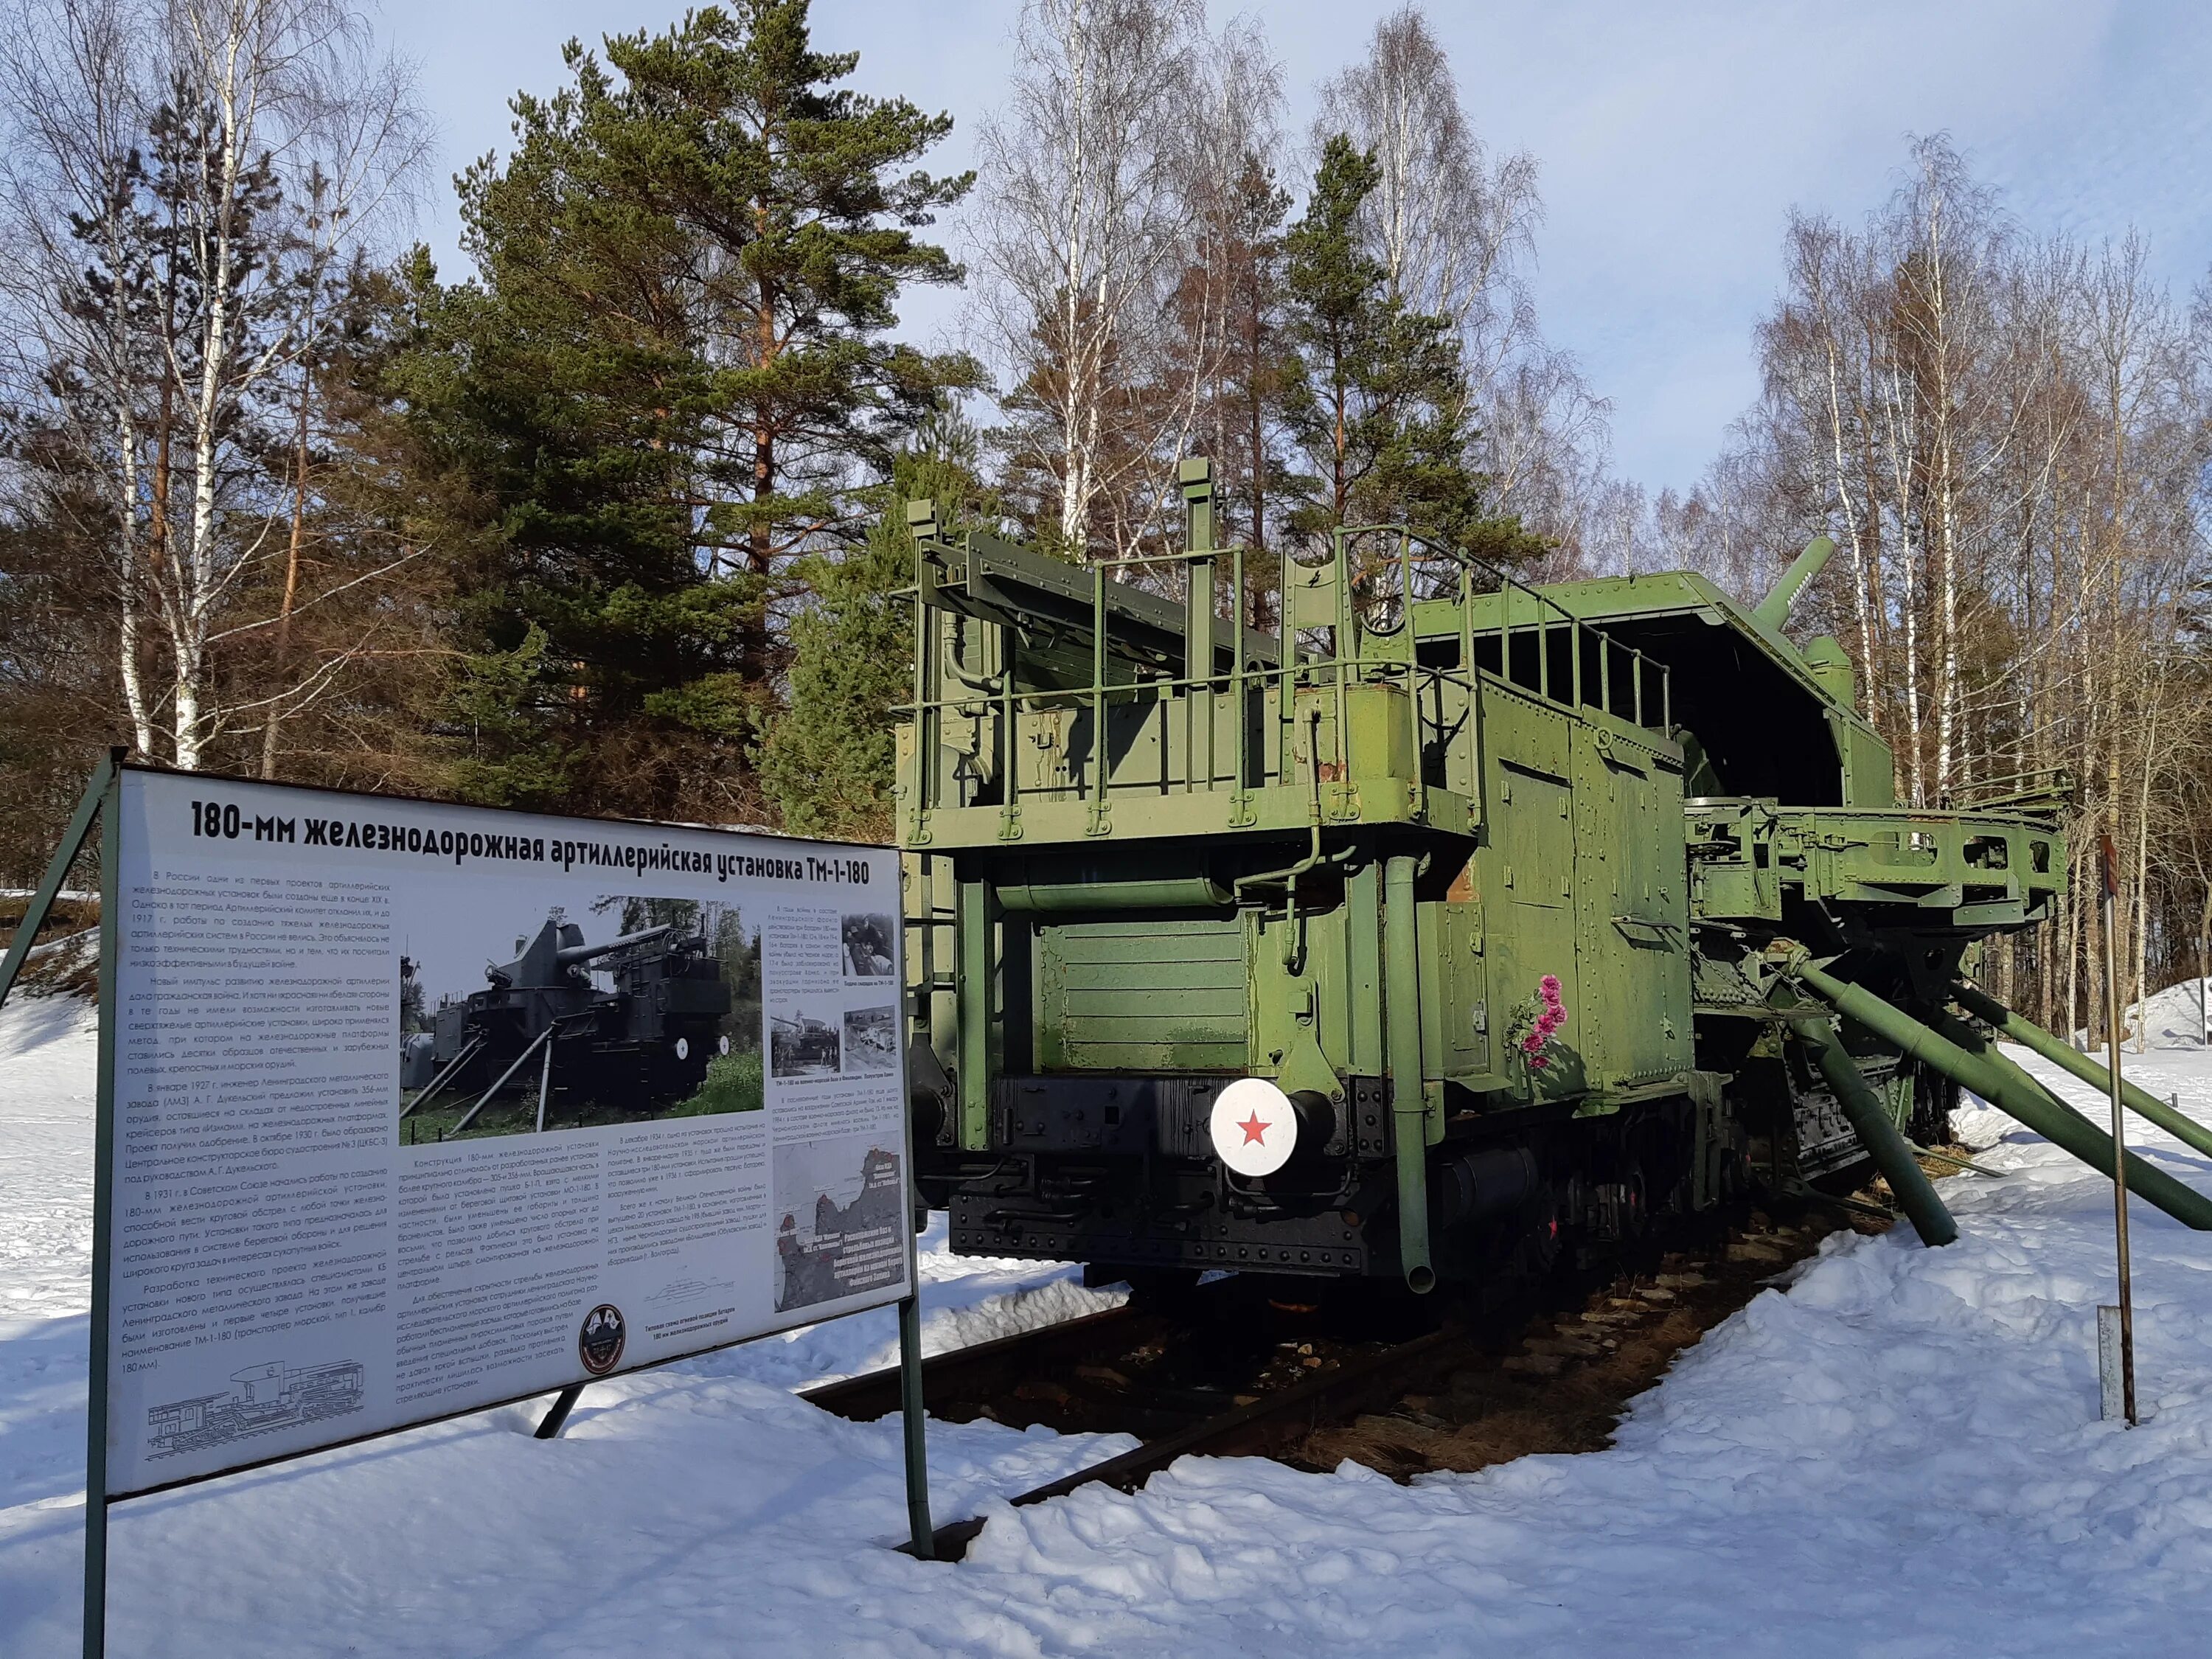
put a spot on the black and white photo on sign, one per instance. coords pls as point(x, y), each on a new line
point(806, 1039)
point(523, 1013)
point(870, 1040)
point(866, 940)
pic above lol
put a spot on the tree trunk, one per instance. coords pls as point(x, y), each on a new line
point(274, 720)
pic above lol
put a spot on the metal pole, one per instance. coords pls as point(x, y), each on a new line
point(1959, 1052)
point(1240, 803)
point(2110, 890)
point(58, 869)
point(545, 1085)
point(469, 1116)
point(913, 1427)
point(1891, 1152)
point(103, 1219)
point(1543, 653)
point(2064, 1055)
point(1098, 822)
point(438, 1082)
point(1010, 811)
point(563, 1404)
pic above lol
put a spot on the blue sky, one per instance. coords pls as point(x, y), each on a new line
point(1674, 139)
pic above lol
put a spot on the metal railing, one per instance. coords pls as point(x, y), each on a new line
point(1542, 649)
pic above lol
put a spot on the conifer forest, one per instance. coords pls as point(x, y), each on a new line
point(607, 520)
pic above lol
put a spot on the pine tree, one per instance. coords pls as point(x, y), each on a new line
point(1376, 400)
point(827, 761)
point(673, 378)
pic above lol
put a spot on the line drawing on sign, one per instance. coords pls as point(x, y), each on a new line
point(261, 1399)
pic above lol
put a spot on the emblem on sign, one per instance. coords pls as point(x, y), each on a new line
point(599, 1344)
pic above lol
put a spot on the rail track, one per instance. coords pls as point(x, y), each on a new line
point(1402, 1388)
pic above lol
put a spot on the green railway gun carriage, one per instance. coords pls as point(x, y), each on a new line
point(1410, 922)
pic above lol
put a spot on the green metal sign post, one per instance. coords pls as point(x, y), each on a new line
point(99, 801)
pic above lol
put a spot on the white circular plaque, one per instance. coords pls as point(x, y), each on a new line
point(1253, 1126)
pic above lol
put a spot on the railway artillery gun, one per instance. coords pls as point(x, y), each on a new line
point(1440, 923)
point(640, 1045)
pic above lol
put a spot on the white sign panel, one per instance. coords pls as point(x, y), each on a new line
point(420, 1108)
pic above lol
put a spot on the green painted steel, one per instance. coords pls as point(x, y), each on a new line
point(1165, 831)
point(1153, 994)
point(972, 1067)
point(1980, 870)
point(1409, 1106)
point(1994, 1013)
point(920, 1535)
point(1773, 611)
point(1957, 1051)
point(1891, 1152)
point(57, 868)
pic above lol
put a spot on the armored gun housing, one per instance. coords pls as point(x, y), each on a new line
point(1440, 923)
point(542, 1024)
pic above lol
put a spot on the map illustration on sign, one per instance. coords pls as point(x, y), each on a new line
point(842, 1203)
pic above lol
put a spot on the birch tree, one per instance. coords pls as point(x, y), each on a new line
point(183, 174)
point(2012, 433)
point(1081, 224)
point(1454, 227)
point(76, 89)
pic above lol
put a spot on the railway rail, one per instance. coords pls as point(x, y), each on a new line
point(1225, 1374)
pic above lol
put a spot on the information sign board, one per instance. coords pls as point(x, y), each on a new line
point(419, 1107)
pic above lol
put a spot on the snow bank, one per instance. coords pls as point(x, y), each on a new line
point(47, 1048)
point(2171, 1018)
point(1899, 1456)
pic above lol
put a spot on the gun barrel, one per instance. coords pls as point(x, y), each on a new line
point(570, 955)
point(1774, 609)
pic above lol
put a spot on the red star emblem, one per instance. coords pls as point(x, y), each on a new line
point(1255, 1129)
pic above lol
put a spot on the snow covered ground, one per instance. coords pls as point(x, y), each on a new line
point(1899, 1456)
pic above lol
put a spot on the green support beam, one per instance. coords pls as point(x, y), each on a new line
point(1408, 1101)
point(1891, 1151)
point(977, 974)
point(58, 869)
point(1962, 1056)
point(1995, 1014)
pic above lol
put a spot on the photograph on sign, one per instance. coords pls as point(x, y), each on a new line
point(421, 1107)
point(653, 1004)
